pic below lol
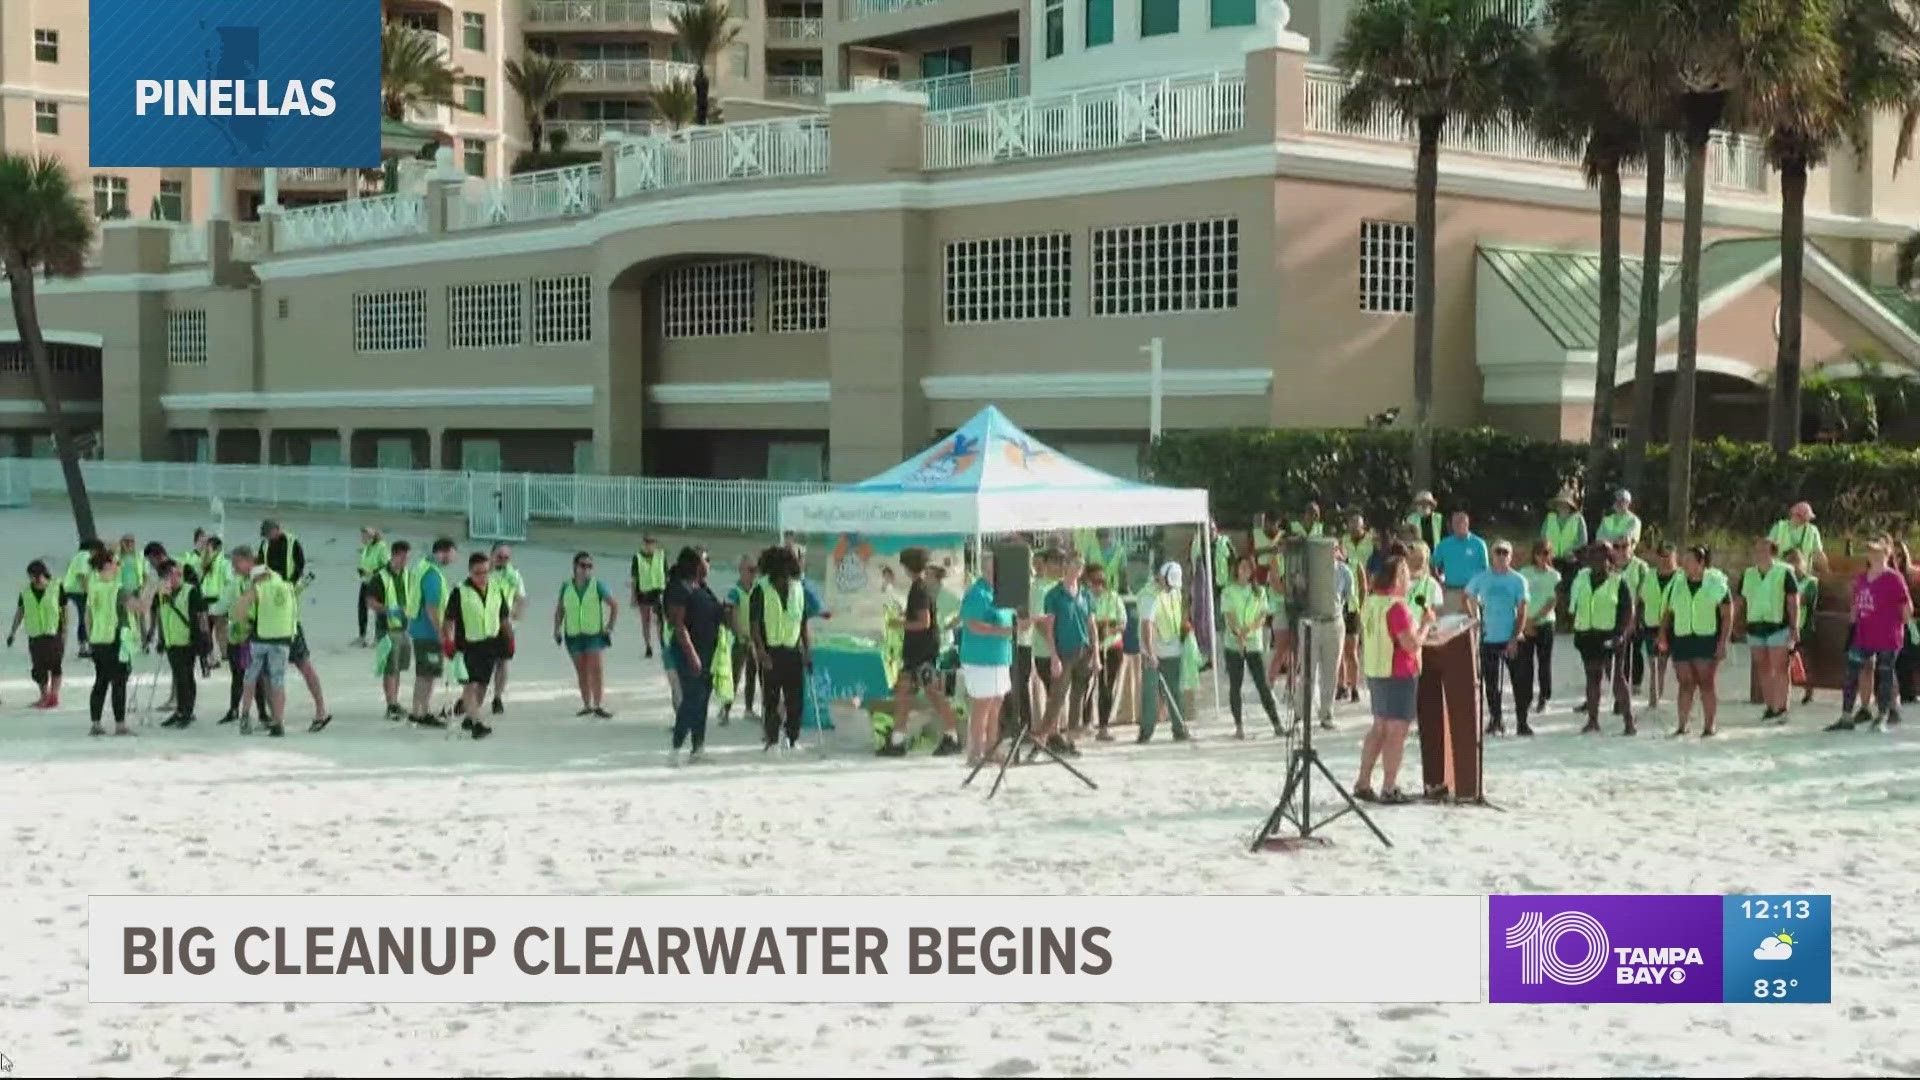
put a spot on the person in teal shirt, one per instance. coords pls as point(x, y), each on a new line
point(986, 662)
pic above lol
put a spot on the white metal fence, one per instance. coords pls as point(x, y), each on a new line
point(573, 191)
point(1168, 109)
point(794, 146)
point(355, 221)
point(620, 501)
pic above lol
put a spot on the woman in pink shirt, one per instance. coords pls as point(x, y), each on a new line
point(1881, 607)
point(1391, 639)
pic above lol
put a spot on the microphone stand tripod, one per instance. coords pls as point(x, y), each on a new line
point(1303, 763)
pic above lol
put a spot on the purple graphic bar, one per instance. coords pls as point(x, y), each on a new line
point(1604, 948)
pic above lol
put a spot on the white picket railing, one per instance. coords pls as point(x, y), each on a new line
point(649, 72)
point(316, 176)
point(536, 196)
point(355, 221)
point(1735, 162)
point(964, 88)
point(852, 10)
point(796, 87)
point(624, 501)
point(597, 12)
point(787, 29)
point(1169, 109)
point(793, 146)
point(188, 244)
point(582, 134)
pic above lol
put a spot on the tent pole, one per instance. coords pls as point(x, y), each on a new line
point(1213, 635)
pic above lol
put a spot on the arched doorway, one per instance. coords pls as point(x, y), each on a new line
point(1731, 398)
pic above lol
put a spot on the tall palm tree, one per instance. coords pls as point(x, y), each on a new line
point(412, 71)
point(539, 80)
point(704, 27)
point(1438, 66)
point(1656, 141)
point(45, 228)
point(1577, 112)
point(675, 103)
point(1865, 57)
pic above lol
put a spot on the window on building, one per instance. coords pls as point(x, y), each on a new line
point(485, 316)
point(1232, 12)
point(187, 337)
point(796, 297)
point(1009, 278)
point(1099, 16)
point(62, 359)
point(1167, 267)
point(109, 196)
point(473, 94)
point(172, 203)
point(46, 117)
point(1386, 266)
point(474, 157)
point(707, 300)
point(391, 321)
point(46, 46)
point(1159, 17)
point(955, 60)
point(1056, 28)
point(473, 30)
point(563, 310)
point(1010, 50)
point(677, 53)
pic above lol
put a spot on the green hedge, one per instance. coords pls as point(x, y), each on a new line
point(1739, 488)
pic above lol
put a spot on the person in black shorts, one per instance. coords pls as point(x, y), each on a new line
point(1603, 632)
point(475, 621)
point(920, 660)
point(46, 631)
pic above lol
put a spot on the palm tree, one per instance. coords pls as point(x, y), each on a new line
point(1866, 57)
point(412, 71)
point(704, 27)
point(45, 227)
point(676, 103)
point(539, 80)
point(1655, 143)
point(1437, 66)
point(1577, 112)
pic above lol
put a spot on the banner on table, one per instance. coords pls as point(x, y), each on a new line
point(863, 571)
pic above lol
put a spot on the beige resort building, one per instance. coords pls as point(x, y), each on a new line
point(819, 291)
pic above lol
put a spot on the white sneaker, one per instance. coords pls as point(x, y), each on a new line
point(791, 746)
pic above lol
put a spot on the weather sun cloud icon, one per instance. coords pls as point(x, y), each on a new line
point(1775, 947)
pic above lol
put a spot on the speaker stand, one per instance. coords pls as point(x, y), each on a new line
point(1296, 795)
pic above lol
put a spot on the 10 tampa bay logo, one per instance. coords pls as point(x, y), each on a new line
point(1539, 939)
point(1604, 948)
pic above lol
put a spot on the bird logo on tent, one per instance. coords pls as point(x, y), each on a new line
point(1025, 454)
point(948, 461)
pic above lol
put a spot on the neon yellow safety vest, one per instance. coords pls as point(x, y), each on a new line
point(1620, 526)
point(78, 571)
point(1360, 552)
point(238, 629)
point(276, 616)
point(1294, 528)
point(42, 612)
point(1108, 608)
point(1420, 522)
point(372, 558)
point(1809, 587)
point(1424, 592)
point(581, 610)
point(133, 572)
point(393, 595)
point(416, 585)
point(511, 584)
point(650, 571)
point(1087, 543)
point(893, 636)
point(1042, 643)
point(1595, 608)
point(1696, 607)
point(104, 613)
point(1765, 594)
point(1275, 556)
point(1637, 571)
point(286, 554)
point(1168, 620)
point(1653, 596)
point(176, 623)
point(779, 621)
point(479, 613)
point(1565, 535)
point(1244, 607)
point(214, 575)
point(1790, 537)
point(1376, 644)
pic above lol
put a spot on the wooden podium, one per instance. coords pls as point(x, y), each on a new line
point(1449, 715)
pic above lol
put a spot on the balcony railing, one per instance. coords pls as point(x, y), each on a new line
point(647, 72)
point(583, 134)
point(1171, 109)
point(535, 196)
point(851, 10)
point(786, 147)
point(317, 176)
point(1735, 162)
point(249, 241)
point(355, 221)
point(188, 244)
point(593, 13)
point(786, 29)
point(796, 88)
point(960, 89)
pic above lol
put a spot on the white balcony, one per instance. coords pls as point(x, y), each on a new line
point(808, 88)
point(1171, 109)
point(355, 221)
point(535, 196)
point(785, 31)
point(961, 89)
point(594, 74)
point(759, 149)
point(587, 134)
point(854, 10)
point(601, 14)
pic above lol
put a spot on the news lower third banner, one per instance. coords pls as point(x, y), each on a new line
point(1091, 949)
point(235, 83)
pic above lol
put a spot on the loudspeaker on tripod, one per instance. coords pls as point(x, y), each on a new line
point(1012, 576)
point(1312, 582)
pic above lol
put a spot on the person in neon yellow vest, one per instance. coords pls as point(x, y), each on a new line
point(73, 586)
point(1622, 524)
point(1770, 600)
point(429, 582)
point(1797, 532)
point(1650, 583)
point(782, 646)
point(216, 575)
point(236, 637)
point(1428, 524)
point(1392, 634)
point(507, 581)
point(648, 580)
point(1603, 610)
point(1699, 620)
point(1268, 554)
point(583, 619)
point(112, 629)
point(1222, 563)
point(44, 614)
point(1807, 590)
point(1163, 626)
point(180, 622)
point(745, 671)
point(473, 627)
point(386, 601)
point(373, 556)
point(272, 607)
point(1109, 623)
point(1566, 529)
point(1308, 523)
point(1243, 606)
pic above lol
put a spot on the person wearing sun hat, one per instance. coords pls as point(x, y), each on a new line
point(1565, 530)
point(1797, 532)
point(1426, 519)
